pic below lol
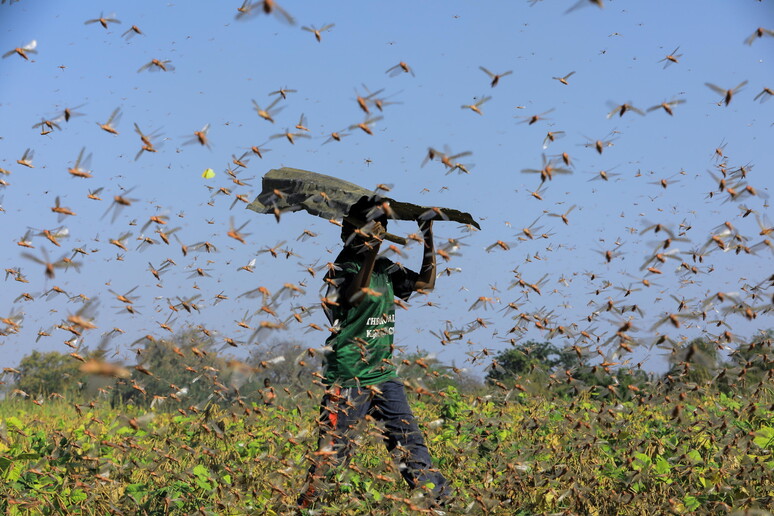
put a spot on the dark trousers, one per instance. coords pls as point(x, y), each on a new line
point(340, 412)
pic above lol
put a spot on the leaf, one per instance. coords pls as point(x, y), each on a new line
point(14, 473)
point(764, 437)
point(641, 461)
point(4, 463)
point(15, 423)
point(77, 496)
point(728, 402)
point(694, 455)
point(691, 502)
point(203, 484)
point(662, 466)
point(136, 491)
point(27, 456)
point(201, 472)
point(135, 488)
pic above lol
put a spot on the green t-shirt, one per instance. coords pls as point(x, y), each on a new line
point(362, 341)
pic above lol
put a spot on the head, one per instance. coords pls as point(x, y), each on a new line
point(365, 211)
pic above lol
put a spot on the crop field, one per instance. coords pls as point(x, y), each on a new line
point(689, 453)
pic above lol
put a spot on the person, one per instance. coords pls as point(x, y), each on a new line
point(359, 374)
point(267, 393)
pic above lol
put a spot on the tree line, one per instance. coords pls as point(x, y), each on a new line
point(191, 368)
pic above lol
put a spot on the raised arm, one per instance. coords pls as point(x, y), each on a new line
point(354, 293)
point(426, 279)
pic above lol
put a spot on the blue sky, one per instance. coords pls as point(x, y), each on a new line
point(222, 64)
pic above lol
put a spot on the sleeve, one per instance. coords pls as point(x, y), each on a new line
point(337, 282)
point(403, 280)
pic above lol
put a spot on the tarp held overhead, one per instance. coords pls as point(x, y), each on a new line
point(289, 189)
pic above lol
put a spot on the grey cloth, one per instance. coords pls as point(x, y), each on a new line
point(290, 189)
